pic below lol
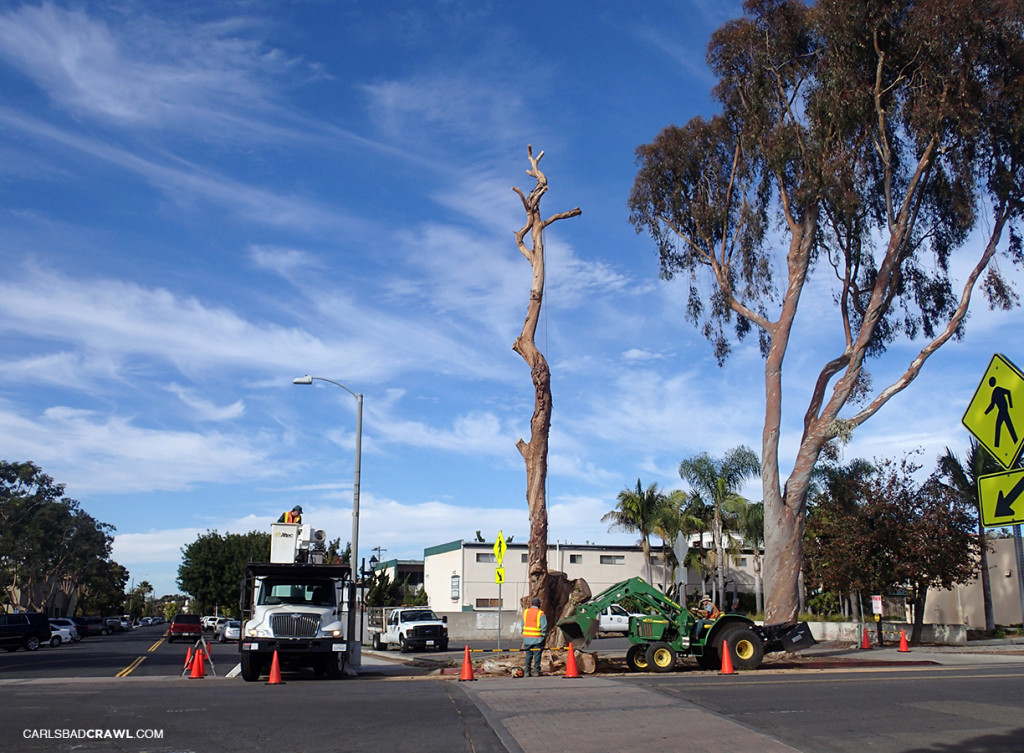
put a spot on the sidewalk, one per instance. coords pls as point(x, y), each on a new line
point(604, 713)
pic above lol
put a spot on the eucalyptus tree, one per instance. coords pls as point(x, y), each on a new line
point(535, 451)
point(962, 478)
point(719, 480)
point(863, 150)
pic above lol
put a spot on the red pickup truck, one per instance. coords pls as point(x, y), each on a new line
point(187, 626)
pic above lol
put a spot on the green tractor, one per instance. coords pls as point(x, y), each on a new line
point(668, 631)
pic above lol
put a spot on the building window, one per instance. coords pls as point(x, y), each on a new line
point(486, 557)
point(455, 588)
point(613, 559)
point(575, 559)
point(488, 603)
point(743, 561)
point(524, 557)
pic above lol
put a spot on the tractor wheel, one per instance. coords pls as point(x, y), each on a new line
point(661, 657)
point(252, 666)
point(636, 658)
point(746, 649)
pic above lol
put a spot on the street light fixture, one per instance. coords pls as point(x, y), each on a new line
point(354, 654)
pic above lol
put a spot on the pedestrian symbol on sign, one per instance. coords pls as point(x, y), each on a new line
point(1002, 401)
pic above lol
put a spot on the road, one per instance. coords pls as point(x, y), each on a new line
point(79, 697)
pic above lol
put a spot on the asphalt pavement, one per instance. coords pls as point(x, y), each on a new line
point(608, 713)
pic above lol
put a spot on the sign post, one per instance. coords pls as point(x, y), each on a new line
point(499, 575)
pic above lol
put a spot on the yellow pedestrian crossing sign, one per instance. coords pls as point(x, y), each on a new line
point(995, 415)
point(499, 548)
point(1002, 498)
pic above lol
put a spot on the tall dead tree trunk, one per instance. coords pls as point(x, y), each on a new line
point(554, 593)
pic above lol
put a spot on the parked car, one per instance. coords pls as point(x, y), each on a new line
point(145, 622)
point(24, 630)
point(114, 625)
point(66, 622)
point(231, 631)
point(126, 623)
point(209, 621)
point(219, 626)
point(187, 626)
point(59, 635)
point(89, 626)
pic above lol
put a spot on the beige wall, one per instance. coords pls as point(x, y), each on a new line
point(964, 605)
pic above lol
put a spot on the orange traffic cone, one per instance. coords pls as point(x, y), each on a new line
point(188, 659)
point(570, 663)
point(865, 642)
point(904, 648)
point(198, 672)
point(467, 667)
point(727, 660)
point(275, 671)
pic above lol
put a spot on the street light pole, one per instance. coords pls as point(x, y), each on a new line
point(354, 653)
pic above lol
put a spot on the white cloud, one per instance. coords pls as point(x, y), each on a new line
point(206, 410)
point(110, 453)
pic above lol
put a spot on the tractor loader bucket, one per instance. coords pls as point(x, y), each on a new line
point(580, 629)
point(788, 637)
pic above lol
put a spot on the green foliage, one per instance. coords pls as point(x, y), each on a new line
point(47, 542)
point(382, 592)
point(212, 566)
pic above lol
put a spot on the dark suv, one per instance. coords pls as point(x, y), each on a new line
point(186, 626)
point(23, 630)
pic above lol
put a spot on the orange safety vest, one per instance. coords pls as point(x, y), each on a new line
point(291, 517)
point(531, 623)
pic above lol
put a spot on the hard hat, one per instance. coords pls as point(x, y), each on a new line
point(297, 508)
point(535, 601)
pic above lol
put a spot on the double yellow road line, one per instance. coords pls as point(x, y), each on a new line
point(138, 660)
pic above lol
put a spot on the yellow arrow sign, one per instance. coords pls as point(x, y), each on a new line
point(499, 548)
point(499, 575)
point(995, 415)
point(1002, 498)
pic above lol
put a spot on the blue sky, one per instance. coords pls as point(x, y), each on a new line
point(200, 202)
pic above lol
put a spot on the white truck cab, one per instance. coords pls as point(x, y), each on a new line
point(412, 628)
point(615, 619)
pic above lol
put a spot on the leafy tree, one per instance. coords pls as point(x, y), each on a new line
point(897, 533)
point(382, 591)
point(102, 589)
point(640, 510)
point(881, 139)
point(49, 546)
point(962, 478)
point(212, 566)
point(719, 480)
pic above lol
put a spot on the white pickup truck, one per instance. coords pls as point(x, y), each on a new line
point(615, 619)
point(412, 628)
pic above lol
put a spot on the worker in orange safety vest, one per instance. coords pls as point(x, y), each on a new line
point(535, 626)
point(292, 516)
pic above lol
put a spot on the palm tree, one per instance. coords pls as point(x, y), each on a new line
point(964, 481)
point(719, 480)
point(640, 510)
point(750, 526)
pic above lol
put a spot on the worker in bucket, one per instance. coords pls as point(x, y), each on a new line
point(535, 626)
point(292, 516)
